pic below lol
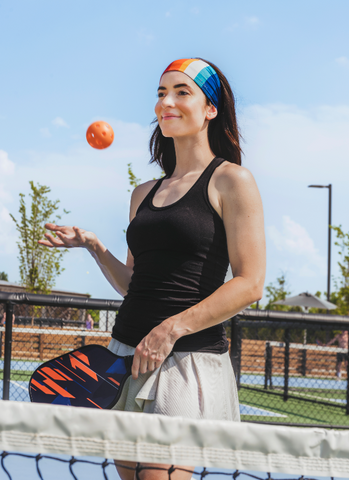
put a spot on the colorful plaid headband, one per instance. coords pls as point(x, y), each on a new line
point(203, 75)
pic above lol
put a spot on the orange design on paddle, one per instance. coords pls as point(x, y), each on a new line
point(82, 357)
point(94, 403)
point(43, 388)
point(75, 363)
point(112, 379)
point(51, 373)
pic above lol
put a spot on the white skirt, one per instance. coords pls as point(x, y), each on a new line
point(188, 384)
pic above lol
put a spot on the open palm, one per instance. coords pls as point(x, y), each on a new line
point(67, 237)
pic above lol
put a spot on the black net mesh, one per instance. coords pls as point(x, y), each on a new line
point(15, 466)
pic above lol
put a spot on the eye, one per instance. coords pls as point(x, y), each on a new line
point(183, 92)
point(160, 94)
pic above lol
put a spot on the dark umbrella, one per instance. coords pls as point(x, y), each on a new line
point(306, 300)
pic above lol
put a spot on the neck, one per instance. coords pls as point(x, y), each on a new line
point(193, 154)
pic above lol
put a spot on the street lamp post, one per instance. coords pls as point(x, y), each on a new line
point(329, 234)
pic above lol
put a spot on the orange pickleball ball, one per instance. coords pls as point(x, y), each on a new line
point(100, 135)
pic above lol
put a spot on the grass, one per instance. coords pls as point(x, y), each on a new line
point(18, 375)
point(295, 411)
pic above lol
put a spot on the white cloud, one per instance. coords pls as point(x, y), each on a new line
point(83, 169)
point(45, 132)
point(6, 166)
point(59, 122)
point(92, 184)
point(294, 241)
point(195, 11)
point(344, 61)
point(285, 142)
point(5, 196)
point(252, 20)
point(8, 235)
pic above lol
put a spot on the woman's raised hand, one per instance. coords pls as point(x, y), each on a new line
point(68, 237)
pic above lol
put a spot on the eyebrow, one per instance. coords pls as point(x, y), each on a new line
point(179, 85)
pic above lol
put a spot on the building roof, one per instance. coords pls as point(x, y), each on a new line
point(16, 288)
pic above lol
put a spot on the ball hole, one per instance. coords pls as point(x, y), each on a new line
point(104, 133)
point(97, 125)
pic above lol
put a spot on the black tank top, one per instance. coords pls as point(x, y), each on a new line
point(180, 257)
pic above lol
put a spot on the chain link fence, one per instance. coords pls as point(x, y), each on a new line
point(285, 371)
point(44, 327)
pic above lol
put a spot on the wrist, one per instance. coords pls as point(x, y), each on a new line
point(176, 327)
point(96, 247)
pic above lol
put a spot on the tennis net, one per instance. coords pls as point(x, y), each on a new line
point(62, 442)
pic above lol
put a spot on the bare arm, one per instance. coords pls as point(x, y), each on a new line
point(335, 339)
point(242, 214)
point(117, 273)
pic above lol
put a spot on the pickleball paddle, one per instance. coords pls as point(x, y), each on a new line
point(90, 376)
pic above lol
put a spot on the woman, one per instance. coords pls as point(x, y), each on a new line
point(184, 230)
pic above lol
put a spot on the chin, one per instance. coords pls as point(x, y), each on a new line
point(170, 133)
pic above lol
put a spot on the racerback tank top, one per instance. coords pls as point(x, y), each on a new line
point(180, 257)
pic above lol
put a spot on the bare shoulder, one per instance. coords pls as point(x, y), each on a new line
point(230, 178)
point(139, 194)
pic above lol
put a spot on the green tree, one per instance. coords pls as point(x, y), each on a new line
point(4, 276)
point(38, 266)
point(340, 295)
point(277, 291)
point(132, 179)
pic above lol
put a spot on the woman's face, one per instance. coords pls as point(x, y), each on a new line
point(181, 108)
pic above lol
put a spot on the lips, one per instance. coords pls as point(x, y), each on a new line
point(169, 117)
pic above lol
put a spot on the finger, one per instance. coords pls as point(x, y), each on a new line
point(78, 233)
point(52, 226)
point(152, 362)
point(135, 366)
point(54, 241)
point(151, 365)
point(45, 243)
point(143, 368)
point(64, 237)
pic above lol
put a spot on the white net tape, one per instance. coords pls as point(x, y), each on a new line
point(47, 429)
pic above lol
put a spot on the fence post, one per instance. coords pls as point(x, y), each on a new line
point(304, 363)
point(235, 348)
point(268, 365)
point(287, 362)
point(7, 353)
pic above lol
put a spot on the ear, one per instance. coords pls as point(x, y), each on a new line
point(211, 112)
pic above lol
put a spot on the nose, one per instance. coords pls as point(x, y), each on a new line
point(167, 101)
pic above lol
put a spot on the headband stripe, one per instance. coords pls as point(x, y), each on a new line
point(203, 75)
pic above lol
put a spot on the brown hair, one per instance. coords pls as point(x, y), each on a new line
point(223, 133)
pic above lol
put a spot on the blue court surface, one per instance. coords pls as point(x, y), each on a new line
point(22, 365)
point(299, 382)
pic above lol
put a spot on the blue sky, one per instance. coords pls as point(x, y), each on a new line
point(66, 64)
